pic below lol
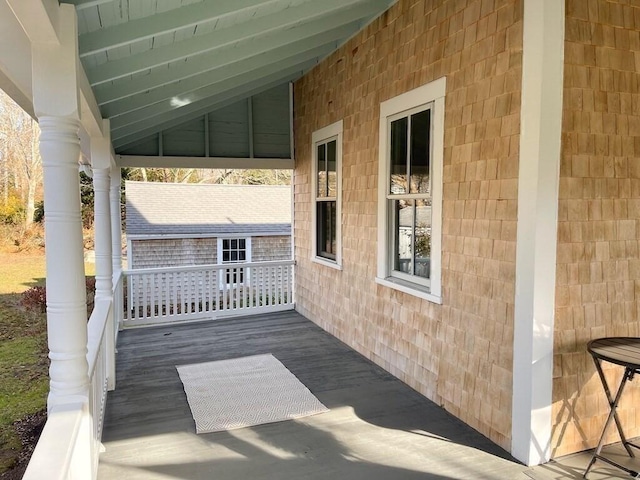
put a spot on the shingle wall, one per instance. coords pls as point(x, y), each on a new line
point(598, 271)
point(458, 354)
point(171, 252)
point(265, 249)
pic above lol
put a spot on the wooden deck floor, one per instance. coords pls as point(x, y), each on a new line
point(377, 427)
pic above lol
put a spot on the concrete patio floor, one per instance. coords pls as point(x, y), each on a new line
point(377, 427)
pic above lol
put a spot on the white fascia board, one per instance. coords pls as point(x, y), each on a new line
point(39, 19)
point(140, 161)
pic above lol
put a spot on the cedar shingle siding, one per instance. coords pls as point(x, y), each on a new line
point(458, 354)
point(156, 253)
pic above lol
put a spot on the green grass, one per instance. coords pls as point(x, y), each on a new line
point(23, 350)
point(24, 382)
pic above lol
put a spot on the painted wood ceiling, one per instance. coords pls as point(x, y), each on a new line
point(153, 62)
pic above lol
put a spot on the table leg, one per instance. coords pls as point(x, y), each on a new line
point(613, 415)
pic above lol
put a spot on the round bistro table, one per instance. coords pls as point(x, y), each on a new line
point(623, 351)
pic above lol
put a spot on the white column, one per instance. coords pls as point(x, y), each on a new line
point(102, 226)
point(104, 276)
point(540, 135)
point(66, 294)
point(56, 104)
point(116, 224)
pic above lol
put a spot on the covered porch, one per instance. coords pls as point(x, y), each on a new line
point(377, 427)
point(496, 334)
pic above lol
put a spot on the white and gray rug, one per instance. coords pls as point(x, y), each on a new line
point(246, 391)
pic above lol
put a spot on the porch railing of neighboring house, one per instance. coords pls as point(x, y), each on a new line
point(69, 445)
point(164, 295)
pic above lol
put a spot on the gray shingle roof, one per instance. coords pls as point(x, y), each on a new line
point(195, 209)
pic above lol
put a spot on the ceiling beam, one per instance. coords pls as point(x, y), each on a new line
point(197, 86)
point(145, 161)
point(165, 22)
point(215, 60)
point(176, 104)
point(325, 15)
point(133, 133)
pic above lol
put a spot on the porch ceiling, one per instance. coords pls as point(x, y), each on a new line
point(155, 64)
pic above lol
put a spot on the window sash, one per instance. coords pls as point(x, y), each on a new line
point(326, 191)
point(233, 250)
point(395, 125)
point(326, 236)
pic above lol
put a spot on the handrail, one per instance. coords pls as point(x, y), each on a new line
point(216, 266)
point(96, 331)
point(62, 453)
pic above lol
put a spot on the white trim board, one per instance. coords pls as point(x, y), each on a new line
point(538, 180)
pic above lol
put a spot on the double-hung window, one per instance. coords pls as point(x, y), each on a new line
point(326, 192)
point(233, 250)
point(410, 191)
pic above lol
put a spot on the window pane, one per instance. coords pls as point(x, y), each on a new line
point(398, 159)
point(242, 255)
point(331, 169)
point(225, 256)
point(403, 233)
point(326, 230)
point(322, 170)
point(422, 245)
point(234, 243)
point(420, 151)
point(225, 244)
point(234, 256)
point(242, 243)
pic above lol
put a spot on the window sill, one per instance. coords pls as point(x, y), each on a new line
point(411, 289)
point(326, 263)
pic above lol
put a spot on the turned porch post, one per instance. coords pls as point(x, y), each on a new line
point(101, 161)
point(56, 104)
point(116, 223)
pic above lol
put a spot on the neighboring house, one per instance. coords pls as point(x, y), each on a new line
point(175, 224)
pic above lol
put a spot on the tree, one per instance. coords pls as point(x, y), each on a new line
point(21, 162)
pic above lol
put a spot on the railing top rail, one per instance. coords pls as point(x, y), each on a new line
point(96, 330)
point(217, 266)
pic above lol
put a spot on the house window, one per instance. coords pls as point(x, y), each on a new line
point(233, 250)
point(410, 191)
point(326, 191)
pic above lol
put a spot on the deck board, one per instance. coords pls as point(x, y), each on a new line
point(378, 428)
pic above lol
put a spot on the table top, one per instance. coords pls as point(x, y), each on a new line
point(623, 351)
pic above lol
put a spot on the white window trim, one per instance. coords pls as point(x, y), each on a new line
point(219, 257)
point(433, 92)
point(320, 136)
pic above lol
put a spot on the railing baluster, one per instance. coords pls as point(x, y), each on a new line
point(202, 291)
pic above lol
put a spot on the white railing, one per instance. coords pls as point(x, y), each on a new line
point(163, 295)
point(98, 357)
point(70, 442)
